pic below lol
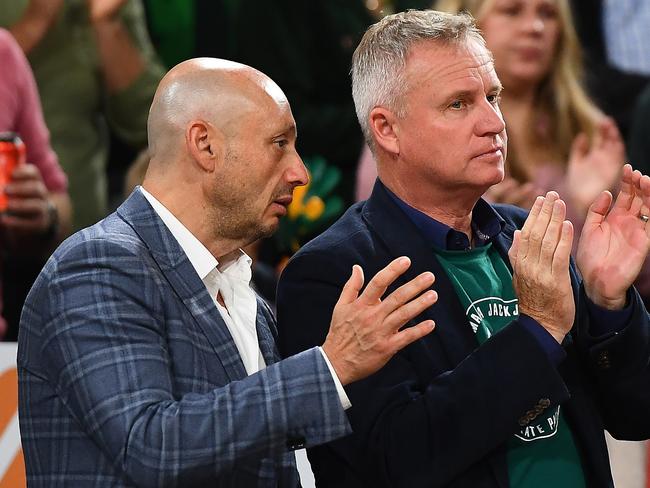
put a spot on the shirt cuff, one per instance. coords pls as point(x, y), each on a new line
point(553, 349)
point(604, 322)
point(343, 398)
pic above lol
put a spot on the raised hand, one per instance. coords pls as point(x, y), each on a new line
point(102, 10)
point(365, 330)
point(594, 167)
point(540, 261)
point(35, 22)
point(614, 243)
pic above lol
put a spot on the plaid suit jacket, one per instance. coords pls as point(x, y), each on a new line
point(128, 375)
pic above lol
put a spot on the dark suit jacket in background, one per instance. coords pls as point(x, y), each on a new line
point(128, 375)
point(440, 412)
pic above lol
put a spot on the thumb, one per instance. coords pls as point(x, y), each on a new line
point(598, 210)
point(579, 147)
point(514, 249)
point(353, 286)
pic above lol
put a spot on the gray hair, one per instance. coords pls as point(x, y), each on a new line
point(378, 77)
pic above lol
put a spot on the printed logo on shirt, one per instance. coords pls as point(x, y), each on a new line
point(485, 312)
point(543, 428)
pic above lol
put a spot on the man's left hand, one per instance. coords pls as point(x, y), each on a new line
point(28, 208)
point(615, 242)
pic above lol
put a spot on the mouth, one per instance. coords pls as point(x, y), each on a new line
point(491, 152)
point(284, 201)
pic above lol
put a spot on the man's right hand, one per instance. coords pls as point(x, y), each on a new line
point(365, 330)
point(540, 256)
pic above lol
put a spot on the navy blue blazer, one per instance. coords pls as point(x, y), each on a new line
point(440, 412)
point(128, 375)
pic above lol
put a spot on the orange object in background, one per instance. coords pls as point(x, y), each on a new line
point(12, 465)
point(12, 153)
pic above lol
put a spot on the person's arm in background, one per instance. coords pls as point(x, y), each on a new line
point(37, 19)
point(39, 211)
point(129, 65)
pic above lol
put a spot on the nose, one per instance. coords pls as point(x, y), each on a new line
point(533, 23)
point(297, 173)
point(490, 120)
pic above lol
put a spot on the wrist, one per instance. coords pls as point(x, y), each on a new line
point(616, 303)
point(52, 229)
point(335, 362)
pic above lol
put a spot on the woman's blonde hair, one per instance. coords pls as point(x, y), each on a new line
point(562, 98)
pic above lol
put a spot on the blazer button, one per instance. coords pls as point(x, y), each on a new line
point(296, 443)
point(602, 361)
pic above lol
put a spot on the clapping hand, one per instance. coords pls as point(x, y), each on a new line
point(615, 241)
point(540, 261)
point(596, 166)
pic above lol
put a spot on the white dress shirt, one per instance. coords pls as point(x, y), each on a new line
point(232, 281)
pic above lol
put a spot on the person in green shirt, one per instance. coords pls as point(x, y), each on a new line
point(529, 362)
point(96, 70)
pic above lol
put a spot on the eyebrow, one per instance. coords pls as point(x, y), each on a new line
point(289, 129)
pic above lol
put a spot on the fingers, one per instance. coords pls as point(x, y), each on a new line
point(407, 292)
point(532, 236)
point(598, 210)
point(351, 289)
point(579, 148)
point(562, 252)
point(400, 316)
point(626, 192)
point(412, 334)
point(512, 252)
point(530, 222)
point(382, 280)
point(552, 236)
point(26, 182)
point(636, 203)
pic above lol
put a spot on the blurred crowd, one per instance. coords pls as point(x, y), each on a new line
point(78, 77)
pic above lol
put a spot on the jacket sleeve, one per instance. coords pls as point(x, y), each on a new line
point(99, 339)
point(418, 421)
point(619, 362)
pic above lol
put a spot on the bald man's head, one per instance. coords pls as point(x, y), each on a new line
point(212, 90)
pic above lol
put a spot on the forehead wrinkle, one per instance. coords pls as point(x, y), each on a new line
point(467, 62)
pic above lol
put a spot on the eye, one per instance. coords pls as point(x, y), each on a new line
point(281, 142)
point(494, 99)
point(457, 105)
point(548, 11)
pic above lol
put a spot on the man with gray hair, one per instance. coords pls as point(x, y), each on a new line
point(528, 363)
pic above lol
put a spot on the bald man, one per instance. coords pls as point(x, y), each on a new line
point(145, 359)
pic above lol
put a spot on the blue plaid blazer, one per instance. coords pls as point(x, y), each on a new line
point(128, 375)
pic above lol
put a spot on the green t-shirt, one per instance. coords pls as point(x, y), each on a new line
point(543, 453)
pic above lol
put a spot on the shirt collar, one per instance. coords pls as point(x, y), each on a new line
point(199, 256)
point(486, 224)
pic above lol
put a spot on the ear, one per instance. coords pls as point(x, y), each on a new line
point(383, 126)
point(205, 144)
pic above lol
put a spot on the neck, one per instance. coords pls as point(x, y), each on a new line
point(453, 209)
point(185, 204)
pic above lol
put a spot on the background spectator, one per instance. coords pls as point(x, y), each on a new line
point(95, 68)
point(38, 212)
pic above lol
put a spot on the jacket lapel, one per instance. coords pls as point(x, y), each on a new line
point(183, 279)
point(266, 333)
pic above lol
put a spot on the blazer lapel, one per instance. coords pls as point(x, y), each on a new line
point(266, 333)
point(402, 238)
point(183, 279)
